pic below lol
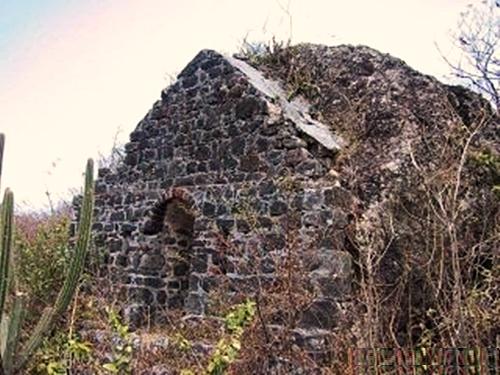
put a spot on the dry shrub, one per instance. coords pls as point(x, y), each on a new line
point(423, 164)
point(41, 255)
point(429, 257)
point(424, 238)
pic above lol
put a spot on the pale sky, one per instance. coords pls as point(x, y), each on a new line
point(72, 73)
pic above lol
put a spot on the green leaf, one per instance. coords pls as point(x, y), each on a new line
point(111, 367)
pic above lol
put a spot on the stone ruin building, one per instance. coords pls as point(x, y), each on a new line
point(223, 154)
point(233, 167)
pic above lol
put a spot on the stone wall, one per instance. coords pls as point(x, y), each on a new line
point(217, 174)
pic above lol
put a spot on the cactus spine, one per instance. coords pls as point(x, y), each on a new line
point(11, 360)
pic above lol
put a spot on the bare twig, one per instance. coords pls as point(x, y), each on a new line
point(477, 39)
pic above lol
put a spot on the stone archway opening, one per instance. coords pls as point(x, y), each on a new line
point(176, 240)
point(170, 228)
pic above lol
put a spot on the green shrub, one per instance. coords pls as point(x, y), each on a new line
point(228, 347)
point(122, 350)
point(42, 251)
point(58, 353)
point(12, 300)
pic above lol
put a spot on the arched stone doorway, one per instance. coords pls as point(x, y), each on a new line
point(177, 237)
point(170, 228)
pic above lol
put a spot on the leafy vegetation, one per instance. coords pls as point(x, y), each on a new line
point(228, 347)
point(57, 354)
point(41, 243)
point(490, 163)
point(12, 318)
point(122, 350)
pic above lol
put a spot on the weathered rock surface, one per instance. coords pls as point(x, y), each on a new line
point(335, 152)
point(234, 161)
point(412, 164)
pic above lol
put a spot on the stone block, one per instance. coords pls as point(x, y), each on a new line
point(152, 262)
point(321, 314)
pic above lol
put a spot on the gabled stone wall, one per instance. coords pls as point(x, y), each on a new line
point(217, 161)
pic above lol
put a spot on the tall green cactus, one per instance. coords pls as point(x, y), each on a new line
point(11, 360)
point(13, 333)
point(6, 221)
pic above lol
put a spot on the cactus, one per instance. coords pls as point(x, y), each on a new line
point(5, 251)
point(6, 230)
point(12, 360)
point(13, 333)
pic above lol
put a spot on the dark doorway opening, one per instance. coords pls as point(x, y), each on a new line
point(177, 239)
